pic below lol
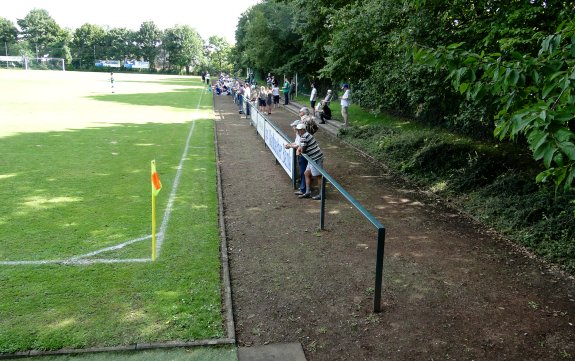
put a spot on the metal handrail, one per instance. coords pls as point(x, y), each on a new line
point(380, 228)
point(327, 177)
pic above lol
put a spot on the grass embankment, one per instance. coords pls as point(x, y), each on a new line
point(494, 182)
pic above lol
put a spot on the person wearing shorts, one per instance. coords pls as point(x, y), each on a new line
point(262, 99)
point(276, 95)
point(308, 145)
point(269, 100)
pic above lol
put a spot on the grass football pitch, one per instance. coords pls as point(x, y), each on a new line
point(75, 211)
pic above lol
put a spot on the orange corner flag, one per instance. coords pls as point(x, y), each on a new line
point(156, 184)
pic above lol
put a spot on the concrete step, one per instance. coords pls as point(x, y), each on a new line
point(330, 126)
point(275, 352)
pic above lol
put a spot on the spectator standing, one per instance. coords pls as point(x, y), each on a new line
point(236, 91)
point(269, 80)
point(325, 113)
point(240, 94)
point(308, 120)
point(262, 99)
point(276, 95)
point(308, 145)
point(248, 97)
point(208, 80)
point(302, 162)
point(345, 99)
point(285, 90)
point(292, 90)
point(269, 100)
point(313, 98)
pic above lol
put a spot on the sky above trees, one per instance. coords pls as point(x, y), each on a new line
point(204, 16)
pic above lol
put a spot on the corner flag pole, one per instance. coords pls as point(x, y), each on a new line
point(156, 186)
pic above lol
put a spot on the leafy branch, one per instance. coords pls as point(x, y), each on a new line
point(534, 94)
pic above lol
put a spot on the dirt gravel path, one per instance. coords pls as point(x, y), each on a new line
point(453, 290)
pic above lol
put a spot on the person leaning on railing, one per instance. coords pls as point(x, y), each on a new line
point(302, 162)
point(308, 146)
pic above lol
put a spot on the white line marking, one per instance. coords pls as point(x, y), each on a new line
point(74, 261)
point(80, 260)
point(168, 211)
point(18, 263)
point(111, 248)
point(113, 260)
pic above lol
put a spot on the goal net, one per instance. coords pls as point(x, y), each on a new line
point(12, 62)
point(46, 63)
point(22, 62)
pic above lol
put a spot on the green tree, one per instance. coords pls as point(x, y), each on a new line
point(218, 54)
point(313, 21)
point(265, 39)
point(237, 54)
point(8, 33)
point(527, 72)
point(149, 39)
point(60, 47)
point(120, 44)
point(40, 30)
point(87, 44)
point(183, 45)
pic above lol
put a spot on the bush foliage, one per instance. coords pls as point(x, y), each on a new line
point(498, 75)
point(487, 67)
point(492, 182)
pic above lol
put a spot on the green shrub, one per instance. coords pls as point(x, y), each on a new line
point(494, 182)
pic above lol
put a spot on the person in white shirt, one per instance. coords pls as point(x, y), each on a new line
point(276, 95)
point(248, 97)
point(345, 104)
point(313, 98)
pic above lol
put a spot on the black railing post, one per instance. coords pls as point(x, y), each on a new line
point(294, 170)
point(327, 178)
point(379, 269)
point(322, 206)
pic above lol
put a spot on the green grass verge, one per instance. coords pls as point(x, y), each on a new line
point(494, 182)
point(75, 180)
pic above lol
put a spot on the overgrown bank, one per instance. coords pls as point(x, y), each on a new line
point(494, 182)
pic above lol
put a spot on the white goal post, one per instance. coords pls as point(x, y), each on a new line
point(22, 62)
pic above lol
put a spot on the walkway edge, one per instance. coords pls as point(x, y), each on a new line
point(223, 240)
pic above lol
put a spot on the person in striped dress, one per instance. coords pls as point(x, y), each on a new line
point(308, 145)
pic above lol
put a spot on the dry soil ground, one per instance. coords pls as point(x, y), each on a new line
point(453, 289)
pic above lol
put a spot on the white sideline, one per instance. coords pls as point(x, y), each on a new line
point(81, 260)
point(168, 211)
point(111, 248)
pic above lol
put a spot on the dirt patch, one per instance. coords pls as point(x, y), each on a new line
point(452, 288)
